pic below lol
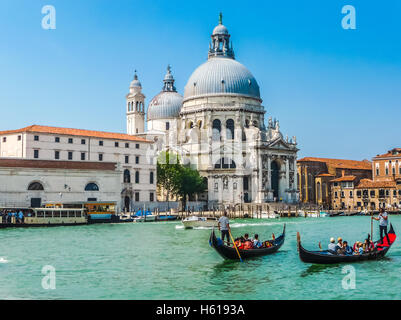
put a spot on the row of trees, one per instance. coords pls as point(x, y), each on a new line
point(176, 179)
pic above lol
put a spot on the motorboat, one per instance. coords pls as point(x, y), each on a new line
point(199, 222)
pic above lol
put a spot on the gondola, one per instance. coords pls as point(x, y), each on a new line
point(325, 257)
point(230, 253)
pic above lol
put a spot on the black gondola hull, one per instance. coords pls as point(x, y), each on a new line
point(323, 257)
point(230, 253)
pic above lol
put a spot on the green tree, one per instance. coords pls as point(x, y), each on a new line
point(190, 183)
point(168, 173)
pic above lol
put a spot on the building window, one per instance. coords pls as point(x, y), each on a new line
point(100, 157)
point(151, 177)
point(36, 138)
point(35, 186)
point(92, 187)
point(335, 195)
point(359, 193)
point(127, 176)
point(83, 156)
point(36, 154)
point(137, 177)
point(57, 139)
point(127, 145)
point(83, 141)
point(386, 171)
point(351, 194)
point(137, 146)
point(387, 193)
point(70, 140)
point(216, 130)
point(372, 193)
point(137, 196)
point(230, 129)
point(70, 155)
point(152, 197)
point(101, 143)
point(137, 160)
point(19, 138)
point(116, 144)
point(57, 155)
point(126, 159)
point(4, 139)
point(167, 126)
point(377, 171)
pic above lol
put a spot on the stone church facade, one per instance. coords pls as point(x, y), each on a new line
point(218, 127)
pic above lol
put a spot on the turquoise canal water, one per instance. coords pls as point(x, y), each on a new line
point(165, 261)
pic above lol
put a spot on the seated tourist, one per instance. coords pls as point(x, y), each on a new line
point(360, 248)
point(332, 245)
point(248, 245)
point(347, 248)
point(246, 237)
point(256, 242)
point(339, 244)
point(369, 245)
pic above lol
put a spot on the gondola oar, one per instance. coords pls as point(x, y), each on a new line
point(235, 246)
point(371, 227)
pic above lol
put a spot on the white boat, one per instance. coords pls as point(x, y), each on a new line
point(199, 222)
point(267, 216)
point(323, 214)
point(147, 218)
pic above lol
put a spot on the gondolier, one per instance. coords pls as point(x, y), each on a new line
point(383, 223)
point(224, 227)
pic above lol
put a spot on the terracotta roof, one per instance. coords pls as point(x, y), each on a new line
point(341, 163)
point(394, 153)
point(345, 178)
point(52, 164)
point(76, 132)
point(325, 175)
point(367, 183)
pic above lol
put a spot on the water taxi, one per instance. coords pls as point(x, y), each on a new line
point(199, 222)
point(42, 217)
point(98, 212)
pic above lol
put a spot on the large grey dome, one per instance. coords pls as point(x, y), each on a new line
point(221, 76)
point(167, 104)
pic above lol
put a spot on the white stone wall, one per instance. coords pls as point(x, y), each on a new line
point(47, 147)
point(59, 185)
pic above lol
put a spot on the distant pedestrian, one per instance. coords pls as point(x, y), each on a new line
point(383, 223)
point(224, 227)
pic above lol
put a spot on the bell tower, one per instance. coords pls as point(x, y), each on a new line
point(135, 108)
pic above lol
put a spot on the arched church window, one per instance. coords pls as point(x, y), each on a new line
point(255, 123)
point(230, 129)
point(137, 106)
point(246, 123)
point(92, 187)
point(36, 186)
point(225, 163)
point(216, 130)
point(127, 176)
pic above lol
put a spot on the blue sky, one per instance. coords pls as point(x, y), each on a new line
point(338, 91)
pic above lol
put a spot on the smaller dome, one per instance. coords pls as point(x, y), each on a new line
point(220, 29)
point(135, 83)
point(166, 105)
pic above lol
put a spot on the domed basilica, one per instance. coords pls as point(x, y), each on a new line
point(218, 128)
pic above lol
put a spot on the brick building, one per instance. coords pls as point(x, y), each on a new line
point(315, 176)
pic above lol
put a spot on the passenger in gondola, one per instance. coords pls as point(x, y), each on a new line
point(332, 247)
point(347, 249)
point(368, 246)
point(248, 244)
point(256, 242)
point(339, 243)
